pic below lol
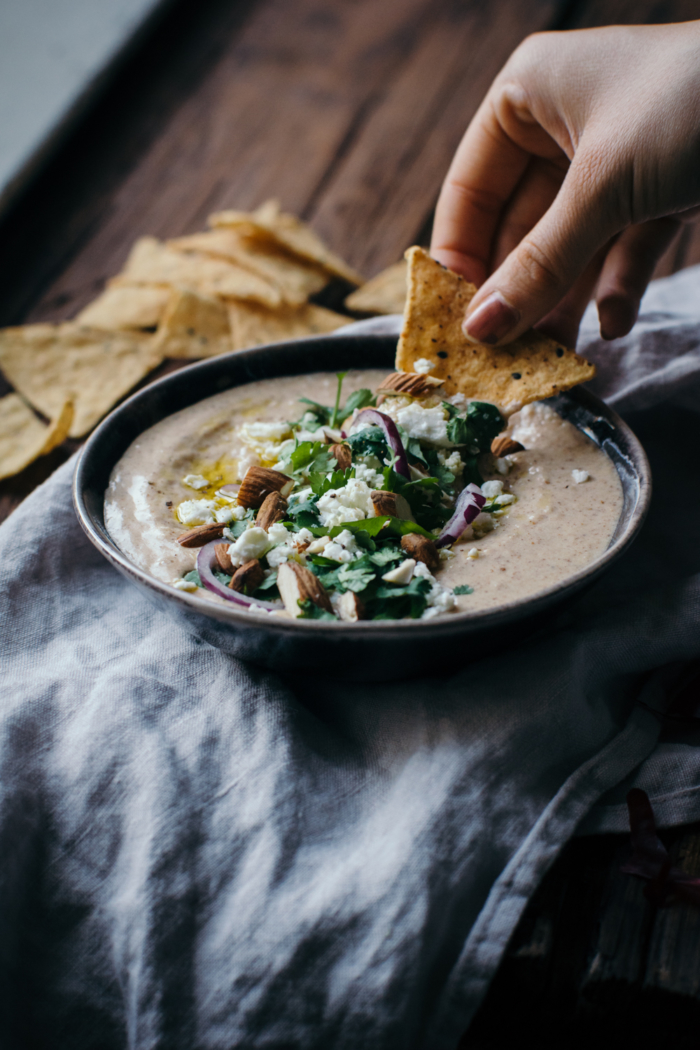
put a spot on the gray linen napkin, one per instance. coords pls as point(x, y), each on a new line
point(197, 853)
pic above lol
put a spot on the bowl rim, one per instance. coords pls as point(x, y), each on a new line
point(458, 623)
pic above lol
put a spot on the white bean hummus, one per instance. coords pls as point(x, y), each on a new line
point(361, 497)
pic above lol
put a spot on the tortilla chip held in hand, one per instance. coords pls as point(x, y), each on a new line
point(531, 368)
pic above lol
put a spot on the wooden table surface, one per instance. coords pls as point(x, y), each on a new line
point(349, 111)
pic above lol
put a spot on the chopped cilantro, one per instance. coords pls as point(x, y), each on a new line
point(486, 422)
point(355, 578)
point(334, 418)
point(460, 433)
point(322, 483)
point(193, 577)
point(311, 611)
point(463, 588)
point(304, 514)
point(360, 399)
point(369, 442)
point(268, 584)
point(311, 457)
point(222, 577)
point(385, 555)
point(394, 601)
point(237, 528)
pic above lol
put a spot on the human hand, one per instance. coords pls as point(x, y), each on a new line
point(574, 176)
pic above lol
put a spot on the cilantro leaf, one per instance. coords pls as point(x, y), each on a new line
point(450, 409)
point(321, 412)
point(486, 422)
point(268, 584)
point(360, 399)
point(463, 588)
point(334, 417)
point(369, 442)
point(459, 432)
point(355, 579)
point(385, 555)
point(311, 457)
point(311, 611)
point(322, 483)
point(381, 524)
point(193, 577)
point(394, 601)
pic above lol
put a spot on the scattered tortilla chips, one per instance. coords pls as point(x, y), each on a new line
point(254, 325)
point(291, 233)
point(531, 368)
point(296, 280)
point(151, 262)
point(383, 294)
point(51, 364)
point(23, 437)
point(193, 326)
point(125, 307)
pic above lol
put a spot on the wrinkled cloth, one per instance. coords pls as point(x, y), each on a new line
point(201, 854)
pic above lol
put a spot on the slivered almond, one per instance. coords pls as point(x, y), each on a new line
point(505, 446)
point(201, 534)
point(273, 508)
point(297, 584)
point(410, 383)
point(248, 578)
point(259, 482)
point(350, 608)
point(223, 559)
point(342, 454)
point(421, 549)
point(391, 504)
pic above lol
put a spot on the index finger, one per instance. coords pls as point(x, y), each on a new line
point(481, 179)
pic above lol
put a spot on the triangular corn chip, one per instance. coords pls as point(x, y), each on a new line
point(193, 326)
point(291, 233)
point(51, 364)
point(531, 368)
point(23, 437)
point(254, 325)
point(383, 294)
point(126, 307)
point(151, 262)
point(296, 279)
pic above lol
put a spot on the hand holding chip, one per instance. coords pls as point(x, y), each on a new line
point(573, 178)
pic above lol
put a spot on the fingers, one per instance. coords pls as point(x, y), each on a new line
point(485, 170)
point(563, 322)
point(627, 270)
point(547, 262)
point(531, 198)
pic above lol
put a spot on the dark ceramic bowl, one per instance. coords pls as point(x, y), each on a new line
point(361, 651)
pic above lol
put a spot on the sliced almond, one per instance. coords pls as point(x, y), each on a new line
point(259, 482)
point(272, 509)
point(392, 505)
point(505, 446)
point(410, 383)
point(201, 534)
point(349, 608)
point(422, 549)
point(297, 584)
point(342, 454)
point(248, 578)
point(222, 556)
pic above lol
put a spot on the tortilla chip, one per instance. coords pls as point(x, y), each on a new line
point(193, 326)
point(51, 364)
point(125, 307)
point(531, 368)
point(254, 326)
point(23, 437)
point(295, 279)
point(383, 294)
point(289, 232)
point(151, 262)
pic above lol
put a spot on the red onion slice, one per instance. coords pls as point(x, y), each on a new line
point(371, 415)
point(205, 558)
point(468, 506)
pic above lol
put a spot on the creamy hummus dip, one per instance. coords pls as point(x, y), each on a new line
point(539, 514)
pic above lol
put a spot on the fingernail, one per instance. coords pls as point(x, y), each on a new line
point(491, 321)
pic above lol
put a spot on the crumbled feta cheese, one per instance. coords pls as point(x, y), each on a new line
point(446, 554)
point(580, 476)
point(250, 544)
point(334, 551)
point(453, 462)
point(506, 499)
point(278, 533)
point(225, 515)
point(503, 465)
point(402, 574)
point(473, 553)
point(440, 599)
point(422, 366)
point(482, 523)
point(347, 540)
point(424, 424)
point(268, 431)
point(532, 417)
point(352, 502)
point(492, 488)
point(373, 478)
point(197, 511)
point(279, 554)
point(195, 481)
point(459, 401)
point(301, 538)
point(185, 585)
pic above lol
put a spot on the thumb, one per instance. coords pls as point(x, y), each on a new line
point(544, 266)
